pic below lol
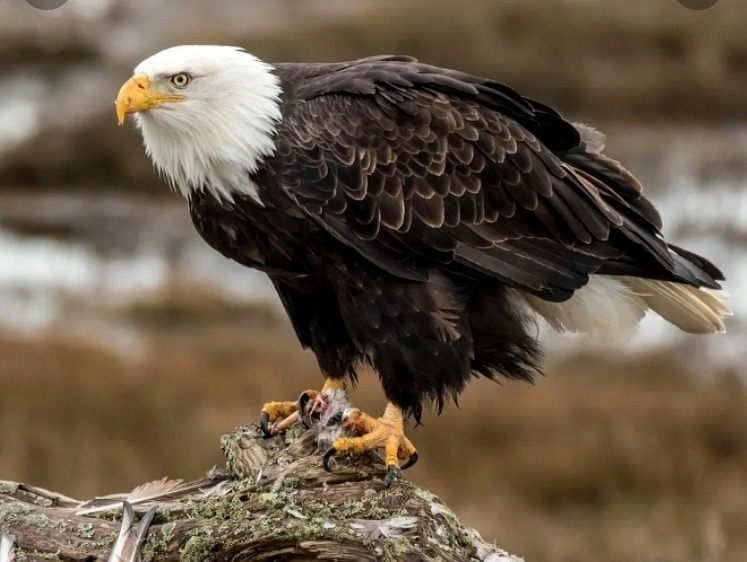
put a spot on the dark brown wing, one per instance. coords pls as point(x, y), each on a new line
point(415, 166)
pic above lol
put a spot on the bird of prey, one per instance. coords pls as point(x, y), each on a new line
point(414, 218)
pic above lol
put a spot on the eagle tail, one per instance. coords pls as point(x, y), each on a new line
point(610, 306)
point(697, 310)
point(604, 308)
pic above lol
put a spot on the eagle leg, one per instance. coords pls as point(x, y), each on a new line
point(276, 417)
point(386, 432)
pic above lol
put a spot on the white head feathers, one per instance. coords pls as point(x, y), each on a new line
point(224, 127)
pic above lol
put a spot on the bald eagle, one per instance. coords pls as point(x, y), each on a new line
point(413, 218)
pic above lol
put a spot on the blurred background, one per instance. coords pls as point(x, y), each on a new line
point(127, 346)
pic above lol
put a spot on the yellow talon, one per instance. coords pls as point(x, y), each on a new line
point(386, 432)
point(277, 410)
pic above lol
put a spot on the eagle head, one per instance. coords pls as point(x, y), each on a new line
point(208, 115)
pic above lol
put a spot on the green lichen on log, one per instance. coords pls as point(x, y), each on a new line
point(279, 504)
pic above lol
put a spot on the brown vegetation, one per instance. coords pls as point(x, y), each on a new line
point(598, 61)
point(634, 59)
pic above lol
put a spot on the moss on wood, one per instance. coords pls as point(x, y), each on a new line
point(274, 502)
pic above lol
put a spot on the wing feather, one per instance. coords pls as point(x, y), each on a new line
point(417, 167)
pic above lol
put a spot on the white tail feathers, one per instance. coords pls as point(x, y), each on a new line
point(697, 311)
point(604, 307)
point(610, 306)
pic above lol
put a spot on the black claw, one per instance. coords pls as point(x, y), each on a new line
point(335, 419)
point(331, 452)
point(411, 461)
point(264, 419)
point(303, 401)
point(393, 475)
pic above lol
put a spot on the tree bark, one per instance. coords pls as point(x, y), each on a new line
point(272, 502)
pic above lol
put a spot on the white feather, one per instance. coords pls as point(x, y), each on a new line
point(129, 541)
point(387, 528)
point(156, 491)
point(7, 548)
point(605, 307)
point(611, 306)
point(223, 130)
point(592, 140)
point(693, 310)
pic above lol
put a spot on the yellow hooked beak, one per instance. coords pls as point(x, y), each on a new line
point(137, 95)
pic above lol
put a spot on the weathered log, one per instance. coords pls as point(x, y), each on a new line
point(273, 502)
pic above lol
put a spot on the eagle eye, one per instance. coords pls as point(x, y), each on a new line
point(180, 80)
